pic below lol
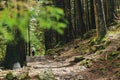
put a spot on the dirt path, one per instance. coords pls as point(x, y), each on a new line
point(61, 69)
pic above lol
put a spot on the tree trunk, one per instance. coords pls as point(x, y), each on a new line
point(99, 18)
point(92, 15)
point(15, 54)
point(80, 20)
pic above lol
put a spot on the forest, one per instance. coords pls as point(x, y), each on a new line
point(59, 39)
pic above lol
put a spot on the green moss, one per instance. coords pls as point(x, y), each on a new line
point(46, 75)
point(112, 55)
point(87, 63)
point(9, 76)
point(101, 40)
point(23, 76)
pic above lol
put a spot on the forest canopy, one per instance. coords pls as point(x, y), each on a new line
point(19, 14)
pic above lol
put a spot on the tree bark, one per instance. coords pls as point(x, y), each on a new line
point(92, 14)
point(100, 18)
point(15, 54)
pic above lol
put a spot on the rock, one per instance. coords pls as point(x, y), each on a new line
point(78, 59)
point(16, 65)
point(0, 70)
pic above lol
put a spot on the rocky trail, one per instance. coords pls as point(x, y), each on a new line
point(74, 63)
point(62, 70)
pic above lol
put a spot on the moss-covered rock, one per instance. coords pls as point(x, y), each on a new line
point(46, 75)
point(10, 76)
point(23, 76)
point(87, 63)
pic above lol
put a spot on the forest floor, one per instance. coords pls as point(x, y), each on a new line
point(78, 60)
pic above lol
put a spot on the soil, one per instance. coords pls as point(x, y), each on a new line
point(64, 67)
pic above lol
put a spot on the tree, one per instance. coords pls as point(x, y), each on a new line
point(109, 8)
point(14, 23)
point(82, 17)
point(13, 28)
point(92, 16)
point(99, 18)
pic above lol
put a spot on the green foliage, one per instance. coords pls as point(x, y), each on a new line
point(37, 40)
point(2, 48)
point(18, 15)
point(52, 18)
point(2, 55)
point(12, 20)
